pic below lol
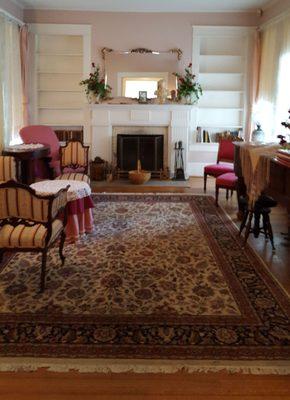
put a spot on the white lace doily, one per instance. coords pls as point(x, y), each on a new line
point(30, 146)
point(77, 190)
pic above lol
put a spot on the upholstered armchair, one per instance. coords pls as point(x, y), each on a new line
point(8, 169)
point(74, 161)
point(31, 223)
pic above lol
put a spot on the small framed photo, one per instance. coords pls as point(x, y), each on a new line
point(143, 96)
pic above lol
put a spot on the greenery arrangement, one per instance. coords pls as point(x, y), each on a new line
point(187, 87)
point(95, 84)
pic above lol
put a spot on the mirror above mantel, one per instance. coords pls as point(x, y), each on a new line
point(140, 69)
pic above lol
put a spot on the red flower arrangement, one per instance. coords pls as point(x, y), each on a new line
point(96, 84)
point(187, 85)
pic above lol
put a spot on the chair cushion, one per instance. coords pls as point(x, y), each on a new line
point(218, 169)
point(228, 180)
point(73, 176)
point(79, 170)
point(23, 236)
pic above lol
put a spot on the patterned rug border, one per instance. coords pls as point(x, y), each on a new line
point(142, 366)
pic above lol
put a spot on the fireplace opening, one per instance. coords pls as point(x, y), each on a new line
point(146, 148)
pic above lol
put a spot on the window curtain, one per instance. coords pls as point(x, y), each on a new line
point(11, 102)
point(274, 84)
point(254, 85)
point(24, 54)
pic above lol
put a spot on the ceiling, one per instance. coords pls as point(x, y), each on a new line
point(147, 5)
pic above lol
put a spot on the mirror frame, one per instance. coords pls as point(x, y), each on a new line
point(142, 50)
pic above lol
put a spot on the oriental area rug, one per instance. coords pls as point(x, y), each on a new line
point(161, 277)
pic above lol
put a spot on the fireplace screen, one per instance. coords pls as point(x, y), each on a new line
point(146, 148)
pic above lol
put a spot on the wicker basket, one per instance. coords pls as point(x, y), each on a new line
point(139, 176)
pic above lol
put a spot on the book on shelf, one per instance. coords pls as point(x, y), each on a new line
point(206, 137)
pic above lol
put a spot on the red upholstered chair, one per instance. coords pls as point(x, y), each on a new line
point(79, 153)
point(226, 181)
point(226, 155)
point(44, 135)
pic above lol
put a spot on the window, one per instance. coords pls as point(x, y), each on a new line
point(274, 86)
point(131, 83)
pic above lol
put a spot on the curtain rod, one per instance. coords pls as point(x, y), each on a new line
point(11, 17)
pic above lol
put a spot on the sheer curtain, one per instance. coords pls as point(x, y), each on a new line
point(274, 83)
point(11, 101)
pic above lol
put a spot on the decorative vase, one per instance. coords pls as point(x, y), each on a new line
point(258, 134)
point(190, 99)
point(161, 92)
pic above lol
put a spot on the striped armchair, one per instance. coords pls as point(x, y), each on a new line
point(74, 161)
point(29, 222)
point(8, 169)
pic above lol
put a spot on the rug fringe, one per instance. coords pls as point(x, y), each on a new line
point(143, 366)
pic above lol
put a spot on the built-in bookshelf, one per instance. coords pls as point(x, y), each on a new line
point(59, 69)
point(220, 57)
point(220, 63)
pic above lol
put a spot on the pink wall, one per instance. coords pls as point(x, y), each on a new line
point(160, 31)
point(12, 8)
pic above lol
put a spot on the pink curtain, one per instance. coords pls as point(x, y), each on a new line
point(24, 58)
point(254, 87)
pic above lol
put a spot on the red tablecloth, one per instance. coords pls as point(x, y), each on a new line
point(79, 218)
point(79, 206)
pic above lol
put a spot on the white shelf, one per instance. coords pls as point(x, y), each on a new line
point(213, 126)
point(59, 91)
point(221, 108)
point(222, 73)
point(221, 55)
point(60, 107)
point(223, 91)
point(59, 73)
point(61, 54)
point(201, 146)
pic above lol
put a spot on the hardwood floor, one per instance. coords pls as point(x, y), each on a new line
point(43, 385)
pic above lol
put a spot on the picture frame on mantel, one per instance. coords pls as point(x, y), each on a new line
point(143, 97)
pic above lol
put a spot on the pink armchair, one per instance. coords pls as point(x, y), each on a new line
point(46, 135)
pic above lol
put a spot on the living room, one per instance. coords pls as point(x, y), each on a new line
point(144, 199)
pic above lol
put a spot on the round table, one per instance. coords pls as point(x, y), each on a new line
point(24, 154)
point(79, 206)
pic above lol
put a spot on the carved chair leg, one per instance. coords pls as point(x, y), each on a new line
point(43, 270)
point(227, 194)
point(216, 195)
point(204, 181)
point(61, 244)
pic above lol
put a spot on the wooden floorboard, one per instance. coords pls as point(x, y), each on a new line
point(43, 385)
point(52, 386)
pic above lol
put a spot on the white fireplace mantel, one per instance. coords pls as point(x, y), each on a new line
point(177, 118)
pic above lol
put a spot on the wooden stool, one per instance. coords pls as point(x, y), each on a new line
point(262, 208)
